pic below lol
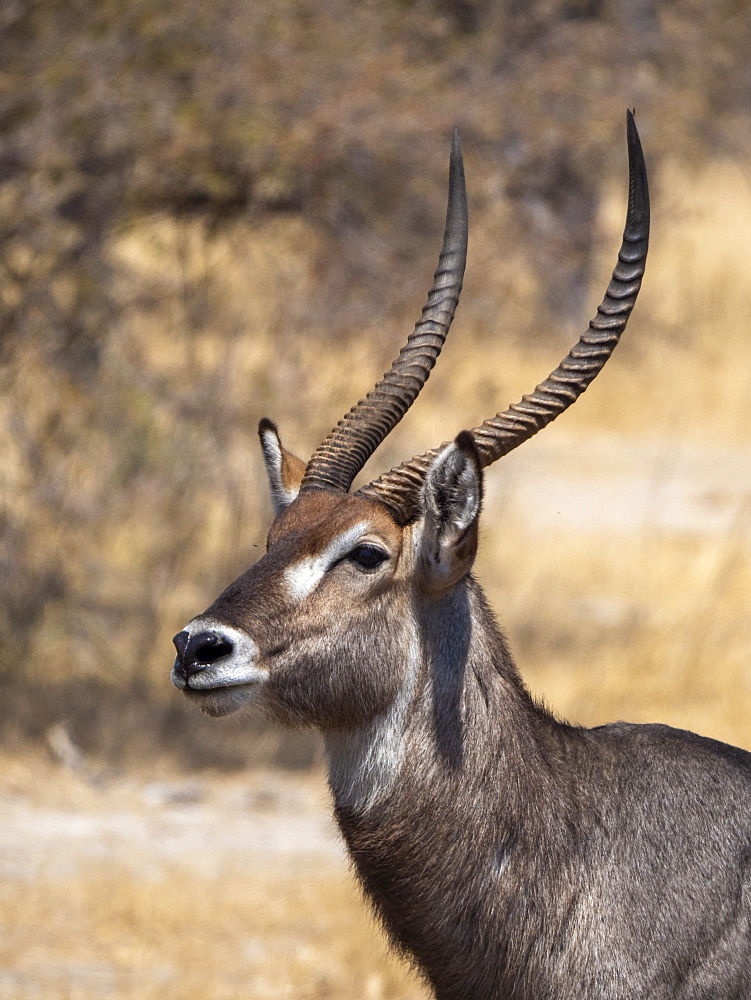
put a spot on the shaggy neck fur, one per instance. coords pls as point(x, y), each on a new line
point(451, 823)
point(513, 857)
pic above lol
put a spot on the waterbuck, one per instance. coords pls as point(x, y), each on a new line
point(508, 855)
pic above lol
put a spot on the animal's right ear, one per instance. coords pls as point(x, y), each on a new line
point(285, 470)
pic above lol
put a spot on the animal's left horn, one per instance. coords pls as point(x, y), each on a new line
point(495, 437)
point(336, 462)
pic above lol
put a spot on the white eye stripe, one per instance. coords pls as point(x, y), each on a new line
point(303, 577)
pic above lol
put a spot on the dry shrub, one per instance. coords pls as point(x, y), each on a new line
point(195, 237)
point(129, 519)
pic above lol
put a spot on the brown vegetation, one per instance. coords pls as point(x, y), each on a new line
point(216, 211)
point(200, 203)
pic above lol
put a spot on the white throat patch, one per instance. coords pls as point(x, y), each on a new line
point(365, 763)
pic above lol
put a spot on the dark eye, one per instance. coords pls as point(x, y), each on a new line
point(367, 556)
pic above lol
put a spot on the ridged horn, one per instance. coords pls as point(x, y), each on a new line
point(399, 489)
point(336, 462)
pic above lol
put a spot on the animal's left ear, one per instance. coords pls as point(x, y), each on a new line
point(451, 500)
point(285, 470)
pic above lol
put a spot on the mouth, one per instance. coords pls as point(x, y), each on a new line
point(220, 701)
point(226, 675)
point(220, 697)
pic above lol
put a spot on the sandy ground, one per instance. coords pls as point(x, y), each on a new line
point(136, 887)
point(205, 824)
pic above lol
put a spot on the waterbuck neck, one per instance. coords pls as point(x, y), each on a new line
point(461, 703)
point(447, 795)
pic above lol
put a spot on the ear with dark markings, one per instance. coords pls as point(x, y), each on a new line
point(285, 470)
point(451, 500)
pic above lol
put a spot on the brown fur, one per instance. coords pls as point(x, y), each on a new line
point(508, 854)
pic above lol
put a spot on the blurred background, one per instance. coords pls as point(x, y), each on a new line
point(217, 210)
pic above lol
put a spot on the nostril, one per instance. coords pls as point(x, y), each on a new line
point(211, 650)
point(196, 652)
point(202, 649)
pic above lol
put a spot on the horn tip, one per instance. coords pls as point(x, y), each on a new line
point(456, 159)
point(638, 184)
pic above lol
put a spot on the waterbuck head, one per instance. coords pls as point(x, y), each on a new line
point(322, 629)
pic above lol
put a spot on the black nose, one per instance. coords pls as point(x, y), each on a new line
point(196, 652)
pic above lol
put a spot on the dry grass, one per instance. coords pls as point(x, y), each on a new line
point(269, 934)
point(84, 915)
point(650, 629)
point(634, 607)
point(145, 341)
point(614, 610)
point(145, 517)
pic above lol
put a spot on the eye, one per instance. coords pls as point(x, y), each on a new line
point(367, 556)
